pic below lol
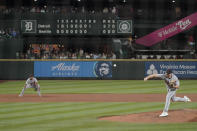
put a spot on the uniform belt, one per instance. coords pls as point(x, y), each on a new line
point(172, 89)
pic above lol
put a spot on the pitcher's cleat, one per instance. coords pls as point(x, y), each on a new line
point(187, 99)
point(164, 114)
point(20, 95)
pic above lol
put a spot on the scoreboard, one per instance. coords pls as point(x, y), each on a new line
point(75, 25)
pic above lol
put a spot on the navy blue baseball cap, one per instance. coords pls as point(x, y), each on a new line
point(169, 71)
point(31, 75)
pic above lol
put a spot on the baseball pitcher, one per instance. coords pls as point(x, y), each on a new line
point(31, 82)
point(172, 84)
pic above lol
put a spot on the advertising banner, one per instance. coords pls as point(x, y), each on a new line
point(181, 69)
point(72, 69)
point(168, 31)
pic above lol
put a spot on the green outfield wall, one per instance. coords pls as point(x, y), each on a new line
point(15, 70)
point(9, 47)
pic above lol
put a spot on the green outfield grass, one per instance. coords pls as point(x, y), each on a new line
point(82, 116)
point(98, 86)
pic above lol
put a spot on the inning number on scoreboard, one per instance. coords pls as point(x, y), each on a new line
point(75, 26)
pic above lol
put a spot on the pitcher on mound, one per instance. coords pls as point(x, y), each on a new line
point(172, 84)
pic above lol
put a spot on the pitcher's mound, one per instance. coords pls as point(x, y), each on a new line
point(174, 116)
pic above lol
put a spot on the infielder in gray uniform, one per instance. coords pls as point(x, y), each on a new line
point(31, 82)
point(172, 84)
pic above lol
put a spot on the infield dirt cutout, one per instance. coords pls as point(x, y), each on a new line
point(90, 97)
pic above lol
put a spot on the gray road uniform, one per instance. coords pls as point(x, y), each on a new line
point(171, 91)
point(31, 84)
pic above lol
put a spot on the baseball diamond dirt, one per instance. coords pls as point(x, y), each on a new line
point(90, 97)
point(175, 116)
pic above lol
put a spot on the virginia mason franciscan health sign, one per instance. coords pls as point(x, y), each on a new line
point(72, 69)
point(181, 69)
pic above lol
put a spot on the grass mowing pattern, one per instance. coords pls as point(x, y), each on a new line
point(98, 86)
point(82, 116)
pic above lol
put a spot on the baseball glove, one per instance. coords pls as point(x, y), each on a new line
point(171, 84)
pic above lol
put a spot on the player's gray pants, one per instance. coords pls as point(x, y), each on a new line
point(29, 86)
point(172, 95)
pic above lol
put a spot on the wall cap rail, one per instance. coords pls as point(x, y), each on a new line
point(23, 60)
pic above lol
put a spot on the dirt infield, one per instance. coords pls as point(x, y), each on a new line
point(89, 98)
point(175, 116)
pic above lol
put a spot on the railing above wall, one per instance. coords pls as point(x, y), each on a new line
point(129, 60)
